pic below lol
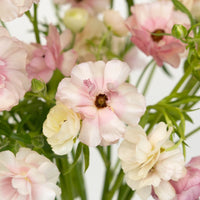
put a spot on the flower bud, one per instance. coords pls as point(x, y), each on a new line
point(37, 86)
point(179, 31)
point(75, 19)
point(115, 22)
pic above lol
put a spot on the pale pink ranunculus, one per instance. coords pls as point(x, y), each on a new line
point(188, 187)
point(44, 59)
point(97, 91)
point(14, 81)
point(11, 9)
point(157, 17)
point(92, 6)
point(27, 176)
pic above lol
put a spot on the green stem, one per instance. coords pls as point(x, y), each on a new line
point(34, 22)
point(143, 72)
point(130, 3)
point(192, 132)
point(111, 4)
point(117, 184)
point(182, 80)
point(107, 175)
point(103, 156)
point(149, 79)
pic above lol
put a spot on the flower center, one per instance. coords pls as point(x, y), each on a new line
point(100, 101)
point(78, 1)
point(157, 38)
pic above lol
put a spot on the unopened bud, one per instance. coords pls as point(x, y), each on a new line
point(179, 31)
point(75, 19)
point(37, 86)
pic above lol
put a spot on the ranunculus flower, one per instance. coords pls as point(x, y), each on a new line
point(28, 175)
point(115, 22)
point(61, 127)
point(13, 78)
point(188, 187)
point(97, 91)
point(11, 9)
point(157, 17)
point(43, 60)
point(147, 164)
point(92, 6)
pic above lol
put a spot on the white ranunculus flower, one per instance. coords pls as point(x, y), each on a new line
point(146, 163)
point(61, 127)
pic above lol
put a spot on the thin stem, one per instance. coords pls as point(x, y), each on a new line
point(35, 25)
point(182, 80)
point(192, 132)
point(143, 72)
point(130, 3)
point(149, 79)
point(116, 185)
point(34, 22)
point(107, 175)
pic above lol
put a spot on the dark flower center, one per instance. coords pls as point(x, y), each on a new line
point(100, 101)
point(157, 38)
point(78, 1)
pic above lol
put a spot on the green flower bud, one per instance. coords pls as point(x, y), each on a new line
point(179, 31)
point(75, 19)
point(37, 85)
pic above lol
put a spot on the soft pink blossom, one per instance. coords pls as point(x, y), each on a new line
point(157, 17)
point(27, 176)
point(97, 91)
point(13, 78)
point(11, 9)
point(188, 187)
point(44, 59)
point(93, 6)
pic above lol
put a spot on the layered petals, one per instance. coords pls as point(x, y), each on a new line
point(27, 176)
point(157, 17)
point(146, 162)
point(97, 91)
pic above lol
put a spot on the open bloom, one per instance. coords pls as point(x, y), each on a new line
point(61, 127)
point(157, 18)
point(92, 6)
point(43, 60)
point(28, 175)
point(13, 78)
point(97, 91)
point(11, 9)
point(188, 187)
point(146, 163)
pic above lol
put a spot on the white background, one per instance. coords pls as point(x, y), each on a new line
point(159, 88)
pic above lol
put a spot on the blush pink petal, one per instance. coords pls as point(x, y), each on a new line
point(115, 73)
point(72, 96)
point(69, 61)
point(111, 127)
point(90, 133)
point(128, 103)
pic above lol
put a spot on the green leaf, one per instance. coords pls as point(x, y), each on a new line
point(78, 153)
point(86, 153)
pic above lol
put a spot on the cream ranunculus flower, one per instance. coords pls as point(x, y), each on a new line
point(146, 163)
point(61, 127)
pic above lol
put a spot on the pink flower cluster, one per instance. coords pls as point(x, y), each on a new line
point(188, 187)
point(97, 91)
point(157, 18)
point(27, 176)
point(44, 59)
point(13, 78)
